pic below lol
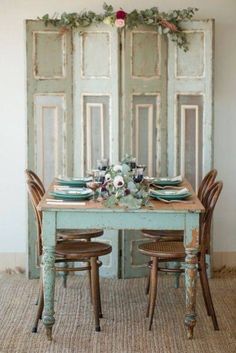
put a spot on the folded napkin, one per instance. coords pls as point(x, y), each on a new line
point(182, 191)
point(69, 188)
point(61, 187)
point(72, 191)
point(66, 178)
point(176, 178)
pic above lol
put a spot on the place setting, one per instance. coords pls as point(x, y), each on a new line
point(168, 190)
point(77, 190)
point(70, 190)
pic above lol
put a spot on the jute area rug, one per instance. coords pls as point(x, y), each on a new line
point(124, 326)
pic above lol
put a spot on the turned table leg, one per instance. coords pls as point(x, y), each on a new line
point(49, 242)
point(190, 284)
point(191, 266)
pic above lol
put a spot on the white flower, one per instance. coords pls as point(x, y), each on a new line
point(108, 177)
point(107, 20)
point(118, 181)
point(117, 168)
point(119, 23)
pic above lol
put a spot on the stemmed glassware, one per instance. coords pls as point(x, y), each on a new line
point(102, 164)
point(98, 177)
point(94, 185)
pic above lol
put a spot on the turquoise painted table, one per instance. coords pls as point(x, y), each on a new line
point(92, 214)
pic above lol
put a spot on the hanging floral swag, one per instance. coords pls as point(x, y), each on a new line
point(166, 23)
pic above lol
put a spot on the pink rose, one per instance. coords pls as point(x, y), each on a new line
point(119, 23)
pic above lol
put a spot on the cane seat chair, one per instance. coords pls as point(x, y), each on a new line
point(70, 251)
point(175, 251)
point(65, 234)
point(177, 235)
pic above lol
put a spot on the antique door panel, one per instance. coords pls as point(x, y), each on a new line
point(190, 103)
point(96, 110)
point(143, 119)
point(49, 75)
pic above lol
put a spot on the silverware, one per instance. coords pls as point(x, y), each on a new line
point(65, 202)
point(56, 200)
point(173, 201)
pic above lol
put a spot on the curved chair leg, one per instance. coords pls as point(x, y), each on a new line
point(39, 310)
point(95, 291)
point(40, 284)
point(65, 274)
point(90, 283)
point(89, 278)
point(147, 292)
point(99, 304)
point(206, 289)
point(153, 289)
point(175, 265)
point(203, 292)
point(147, 284)
point(177, 277)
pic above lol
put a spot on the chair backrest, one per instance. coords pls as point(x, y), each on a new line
point(32, 176)
point(36, 195)
point(206, 183)
point(211, 198)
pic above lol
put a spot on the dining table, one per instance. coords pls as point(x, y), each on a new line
point(93, 214)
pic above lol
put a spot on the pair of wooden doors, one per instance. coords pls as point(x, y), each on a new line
point(100, 92)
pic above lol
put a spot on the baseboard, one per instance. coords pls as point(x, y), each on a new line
point(223, 259)
point(13, 262)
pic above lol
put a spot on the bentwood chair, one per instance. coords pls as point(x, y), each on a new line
point(65, 234)
point(30, 175)
point(177, 235)
point(175, 251)
point(70, 251)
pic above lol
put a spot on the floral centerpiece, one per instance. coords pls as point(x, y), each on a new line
point(165, 23)
point(120, 189)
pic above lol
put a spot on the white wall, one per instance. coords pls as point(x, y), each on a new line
point(13, 130)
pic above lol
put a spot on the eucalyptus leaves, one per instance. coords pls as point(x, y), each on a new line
point(166, 23)
point(119, 188)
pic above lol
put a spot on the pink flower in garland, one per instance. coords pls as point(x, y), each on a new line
point(169, 25)
point(120, 18)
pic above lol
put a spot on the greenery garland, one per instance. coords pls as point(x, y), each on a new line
point(167, 23)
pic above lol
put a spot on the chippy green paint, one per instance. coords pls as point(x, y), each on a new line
point(119, 219)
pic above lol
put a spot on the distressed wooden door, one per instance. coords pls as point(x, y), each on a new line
point(96, 111)
point(190, 103)
point(143, 119)
point(50, 108)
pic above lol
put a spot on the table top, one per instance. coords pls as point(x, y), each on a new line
point(98, 206)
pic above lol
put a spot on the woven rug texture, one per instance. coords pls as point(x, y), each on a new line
point(124, 328)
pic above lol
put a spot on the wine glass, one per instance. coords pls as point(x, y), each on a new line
point(102, 164)
point(94, 185)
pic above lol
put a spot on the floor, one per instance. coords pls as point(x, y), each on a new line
point(124, 327)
